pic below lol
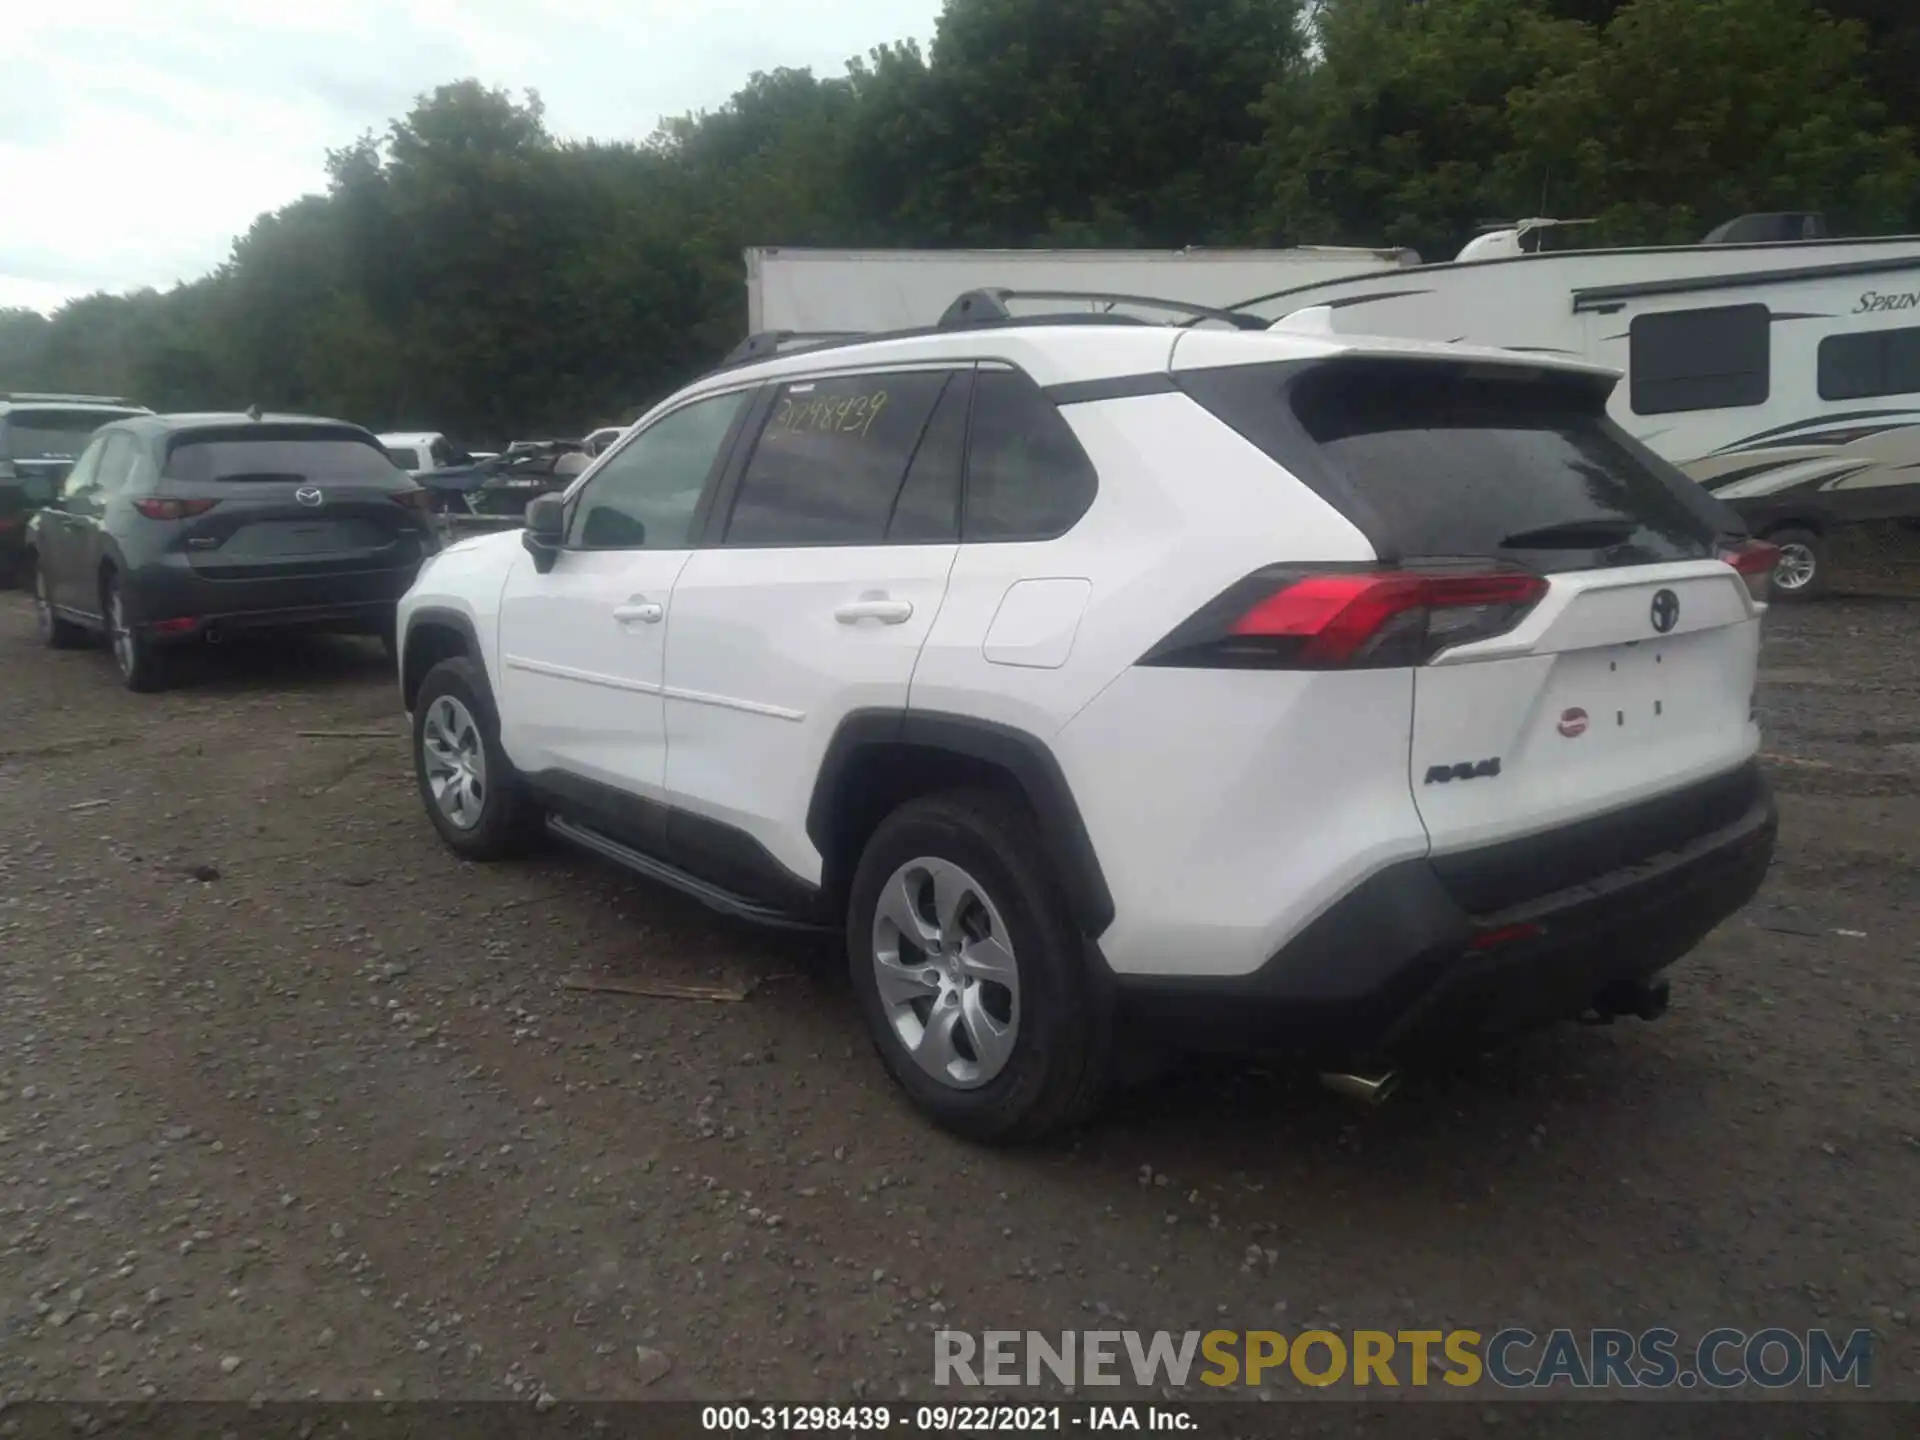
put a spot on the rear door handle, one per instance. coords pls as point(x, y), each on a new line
point(650, 611)
point(875, 607)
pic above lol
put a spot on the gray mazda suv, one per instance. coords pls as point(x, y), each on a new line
point(175, 528)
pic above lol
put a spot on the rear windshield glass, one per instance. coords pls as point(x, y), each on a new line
point(52, 434)
point(1459, 461)
point(268, 455)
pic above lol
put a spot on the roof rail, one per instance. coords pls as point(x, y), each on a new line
point(979, 309)
point(43, 396)
point(983, 306)
point(764, 343)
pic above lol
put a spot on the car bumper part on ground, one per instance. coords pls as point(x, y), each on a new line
point(1408, 965)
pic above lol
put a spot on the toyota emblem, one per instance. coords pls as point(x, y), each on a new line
point(1666, 610)
point(309, 495)
point(1573, 723)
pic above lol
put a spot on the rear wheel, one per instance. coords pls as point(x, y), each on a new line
point(471, 791)
point(1801, 572)
point(970, 972)
point(55, 633)
point(141, 664)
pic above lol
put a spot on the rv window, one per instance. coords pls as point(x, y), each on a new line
point(1714, 359)
point(1878, 362)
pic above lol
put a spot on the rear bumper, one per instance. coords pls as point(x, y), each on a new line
point(355, 600)
point(1401, 968)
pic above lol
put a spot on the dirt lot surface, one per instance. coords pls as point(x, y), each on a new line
point(294, 1104)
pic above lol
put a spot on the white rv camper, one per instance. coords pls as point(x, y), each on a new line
point(857, 292)
point(1781, 373)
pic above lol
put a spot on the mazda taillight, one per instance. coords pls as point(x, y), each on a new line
point(156, 507)
point(1755, 560)
point(1296, 618)
point(412, 499)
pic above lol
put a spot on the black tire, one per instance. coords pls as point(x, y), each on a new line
point(1055, 1073)
point(142, 664)
point(1808, 547)
point(55, 633)
point(507, 821)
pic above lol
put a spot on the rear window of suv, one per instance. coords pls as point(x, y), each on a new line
point(51, 434)
point(267, 453)
point(1451, 460)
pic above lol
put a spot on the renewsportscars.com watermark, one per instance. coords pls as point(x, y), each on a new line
point(1511, 1359)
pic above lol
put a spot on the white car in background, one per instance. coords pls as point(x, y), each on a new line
point(417, 451)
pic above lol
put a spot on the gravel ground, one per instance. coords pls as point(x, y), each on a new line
point(294, 1104)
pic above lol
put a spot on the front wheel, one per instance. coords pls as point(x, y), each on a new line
point(970, 972)
point(472, 794)
point(1801, 572)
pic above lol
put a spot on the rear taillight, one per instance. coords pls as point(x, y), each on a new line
point(11, 522)
point(1754, 559)
point(1300, 619)
point(157, 508)
point(413, 499)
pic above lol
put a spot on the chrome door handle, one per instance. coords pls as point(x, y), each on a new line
point(887, 612)
point(648, 610)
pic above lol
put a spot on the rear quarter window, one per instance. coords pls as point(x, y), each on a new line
point(1027, 477)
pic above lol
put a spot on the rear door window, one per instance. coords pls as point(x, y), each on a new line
point(405, 459)
point(116, 463)
point(833, 459)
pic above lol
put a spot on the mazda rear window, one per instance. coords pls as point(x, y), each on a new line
point(252, 454)
point(1450, 460)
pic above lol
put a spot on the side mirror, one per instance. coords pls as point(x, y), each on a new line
point(546, 529)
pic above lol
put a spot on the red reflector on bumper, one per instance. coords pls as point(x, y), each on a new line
point(173, 627)
point(1505, 935)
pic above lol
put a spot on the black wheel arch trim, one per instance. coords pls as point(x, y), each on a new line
point(1025, 757)
point(440, 615)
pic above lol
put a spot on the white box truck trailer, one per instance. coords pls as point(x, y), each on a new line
point(860, 291)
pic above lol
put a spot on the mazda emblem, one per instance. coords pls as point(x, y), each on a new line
point(308, 495)
point(1666, 610)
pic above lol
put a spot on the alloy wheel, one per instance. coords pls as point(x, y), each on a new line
point(455, 758)
point(120, 631)
point(1796, 567)
point(948, 980)
point(43, 616)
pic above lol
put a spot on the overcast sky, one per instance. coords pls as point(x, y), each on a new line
point(139, 137)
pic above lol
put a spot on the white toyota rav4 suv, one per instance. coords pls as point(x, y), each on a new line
point(1124, 684)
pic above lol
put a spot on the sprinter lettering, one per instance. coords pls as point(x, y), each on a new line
point(1875, 303)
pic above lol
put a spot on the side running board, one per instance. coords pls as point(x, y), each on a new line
point(712, 896)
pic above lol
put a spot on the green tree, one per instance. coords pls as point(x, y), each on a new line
point(1689, 112)
point(1397, 132)
point(1123, 121)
